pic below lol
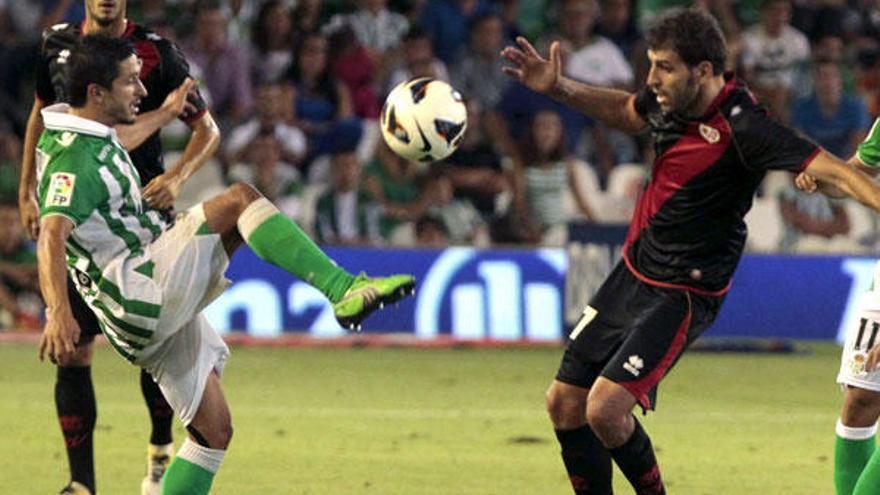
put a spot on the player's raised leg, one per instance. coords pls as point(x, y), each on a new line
point(242, 213)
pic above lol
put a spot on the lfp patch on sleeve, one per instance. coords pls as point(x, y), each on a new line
point(60, 189)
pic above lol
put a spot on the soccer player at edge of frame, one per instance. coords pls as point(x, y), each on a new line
point(146, 281)
point(171, 95)
point(714, 144)
point(856, 458)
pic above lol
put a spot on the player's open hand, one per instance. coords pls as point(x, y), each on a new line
point(161, 192)
point(806, 183)
point(30, 217)
point(530, 68)
point(176, 103)
point(60, 336)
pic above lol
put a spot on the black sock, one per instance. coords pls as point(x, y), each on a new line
point(161, 413)
point(636, 460)
point(77, 413)
point(587, 461)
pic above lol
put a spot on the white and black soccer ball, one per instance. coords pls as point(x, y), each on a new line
point(423, 119)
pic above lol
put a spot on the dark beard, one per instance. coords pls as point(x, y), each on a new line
point(693, 95)
point(105, 22)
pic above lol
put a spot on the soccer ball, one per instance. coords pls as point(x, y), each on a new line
point(423, 119)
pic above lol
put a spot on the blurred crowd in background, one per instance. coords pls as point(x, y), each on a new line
point(297, 87)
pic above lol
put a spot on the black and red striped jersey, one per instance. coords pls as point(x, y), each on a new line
point(688, 228)
point(164, 69)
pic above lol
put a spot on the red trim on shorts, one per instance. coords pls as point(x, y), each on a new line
point(666, 285)
point(640, 388)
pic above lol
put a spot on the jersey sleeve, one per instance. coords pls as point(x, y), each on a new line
point(175, 70)
point(765, 144)
point(71, 187)
point(869, 151)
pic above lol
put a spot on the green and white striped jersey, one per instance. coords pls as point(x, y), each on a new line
point(869, 150)
point(85, 175)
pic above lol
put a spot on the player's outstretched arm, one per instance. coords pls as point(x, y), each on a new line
point(848, 180)
point(807, 183)
point(162, 191)
point(612, 107)
point(61, 332)
point(27, 185)
point(133, 135)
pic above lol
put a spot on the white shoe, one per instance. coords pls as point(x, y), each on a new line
point(75, 488)
point(158, 459)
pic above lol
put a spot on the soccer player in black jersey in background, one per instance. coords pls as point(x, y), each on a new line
point(165, 74)
point(713, 145)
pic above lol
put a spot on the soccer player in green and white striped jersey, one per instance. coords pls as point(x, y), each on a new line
point(147, 281)
point(856, 457)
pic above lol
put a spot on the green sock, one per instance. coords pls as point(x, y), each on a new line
point(869, 480)
point(185, 478)
point(278, 240)
point(853, 449)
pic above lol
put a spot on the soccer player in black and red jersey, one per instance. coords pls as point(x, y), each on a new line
point(713, 145)
point(165, 74)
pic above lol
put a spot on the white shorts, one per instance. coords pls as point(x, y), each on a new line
point(190, 263)
point(183, 362)
point(861, 336)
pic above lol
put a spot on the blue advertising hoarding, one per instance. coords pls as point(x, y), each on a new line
point(462, 292)
point(511, 295)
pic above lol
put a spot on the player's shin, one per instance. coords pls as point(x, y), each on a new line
point(193, 469)
point(853, 449)
point(636, 460)
point(278, 240)
point(586, 460)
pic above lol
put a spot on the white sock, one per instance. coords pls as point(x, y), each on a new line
point(254, 215)
point(209, 459)
point(851, 433)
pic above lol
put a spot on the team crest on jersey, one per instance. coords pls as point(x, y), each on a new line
point(710, 134)
point(60, 189)
point(857, 364)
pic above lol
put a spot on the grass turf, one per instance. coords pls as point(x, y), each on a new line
point(438, 421)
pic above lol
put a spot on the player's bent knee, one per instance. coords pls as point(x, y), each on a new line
point(243, 193)
point(861, 407)
point(565, 407)
point(219, 436)
point(605, 419)
point(81, 356)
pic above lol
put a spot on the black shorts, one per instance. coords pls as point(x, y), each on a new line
point(632, 333)
point(88, 323)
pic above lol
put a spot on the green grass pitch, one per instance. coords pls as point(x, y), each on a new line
point(438, 421)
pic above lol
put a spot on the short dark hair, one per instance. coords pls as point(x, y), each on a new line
point(693, 34)
point(95, 60)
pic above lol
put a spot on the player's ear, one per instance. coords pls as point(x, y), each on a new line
point(705, 70)
point(96, 92)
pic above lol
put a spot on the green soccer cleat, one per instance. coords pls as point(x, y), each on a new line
point(75, 488)
point(369, 294)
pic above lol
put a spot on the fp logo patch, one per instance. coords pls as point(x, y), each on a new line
point(60, 189)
